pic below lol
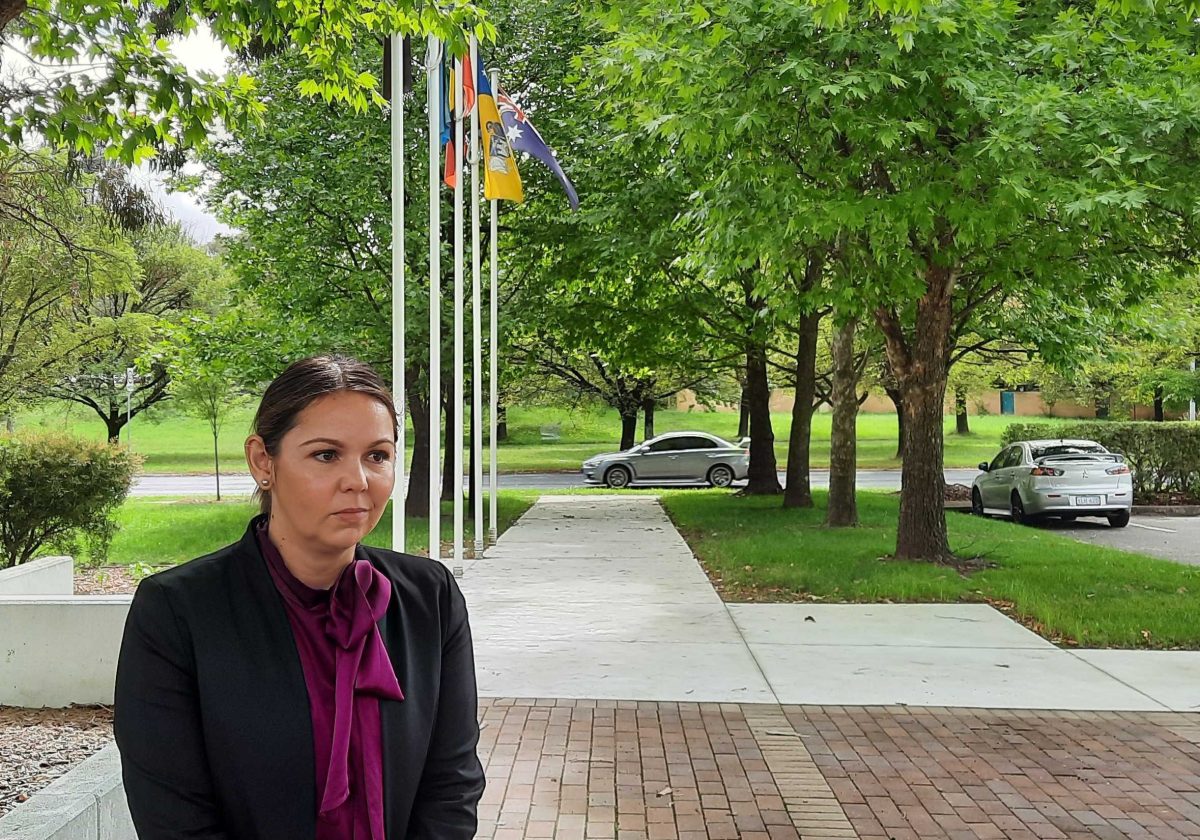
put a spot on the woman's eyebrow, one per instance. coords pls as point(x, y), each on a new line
point(339, 443)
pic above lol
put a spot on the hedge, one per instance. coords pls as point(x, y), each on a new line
point(55, 490)
point(1164, 457)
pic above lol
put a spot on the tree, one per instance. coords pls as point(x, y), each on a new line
point(174, 278)
point(982, 159)
point(136, 99)
point(57, 252)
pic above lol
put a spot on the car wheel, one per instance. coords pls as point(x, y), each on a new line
point(1119, 520)
point(976, 502)
point(720, 476)
point(1017, 510)
point(617, 477)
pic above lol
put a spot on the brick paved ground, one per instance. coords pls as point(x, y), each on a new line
point(642, 770)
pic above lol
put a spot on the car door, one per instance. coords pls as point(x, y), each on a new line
point(655, 462)
point(694, 456)
point(992, 485)
point(1007, 475)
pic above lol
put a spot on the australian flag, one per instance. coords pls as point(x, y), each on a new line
point(523, 137)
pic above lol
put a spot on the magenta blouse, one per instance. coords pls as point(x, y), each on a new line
point(347, 671)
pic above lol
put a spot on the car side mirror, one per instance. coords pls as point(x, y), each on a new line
point(985, 466)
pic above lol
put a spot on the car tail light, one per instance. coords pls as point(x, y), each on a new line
point(1121, 470)
point(1045, 471)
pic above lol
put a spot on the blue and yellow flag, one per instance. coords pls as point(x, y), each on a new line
point(500, 176)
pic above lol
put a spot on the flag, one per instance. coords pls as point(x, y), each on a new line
point(449, 80)
point(450, 176)
point(523, 137)
point(500, 176)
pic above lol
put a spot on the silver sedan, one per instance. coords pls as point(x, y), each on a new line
point(673, 458)
point(1032, 479)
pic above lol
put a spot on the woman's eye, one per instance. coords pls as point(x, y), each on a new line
point(326, 455)
point(380, 457)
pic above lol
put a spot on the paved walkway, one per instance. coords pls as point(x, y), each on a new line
point(672, 715)
point(599, 597)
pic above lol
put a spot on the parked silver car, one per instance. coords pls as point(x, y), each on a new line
point(673, 458)
point(1032, 479)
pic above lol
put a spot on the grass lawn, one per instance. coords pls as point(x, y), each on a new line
point(1070, 592)
point(173, 443)
point(164, 532)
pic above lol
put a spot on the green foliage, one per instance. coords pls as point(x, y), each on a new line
point(55, 490)
point(1164, 457)
point(141, 101)
point(58, 252)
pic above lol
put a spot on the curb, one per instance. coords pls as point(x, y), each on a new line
point(1166, 510)
point(86, 803)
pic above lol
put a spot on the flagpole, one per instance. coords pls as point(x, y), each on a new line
point(476, 325)
point(398, 286)
point(456, 437)
point(432, 65)
point(493, 354)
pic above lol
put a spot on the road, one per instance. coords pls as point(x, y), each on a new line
point(240, 484)
point(1170, 537)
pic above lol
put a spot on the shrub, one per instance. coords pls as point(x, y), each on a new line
point(1164, 457)
point(55, 490)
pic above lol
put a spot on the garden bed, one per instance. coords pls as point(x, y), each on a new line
point(39, 745)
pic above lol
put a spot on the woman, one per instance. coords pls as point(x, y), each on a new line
point(297, 685)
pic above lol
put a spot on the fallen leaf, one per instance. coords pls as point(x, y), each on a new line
point(664, 791)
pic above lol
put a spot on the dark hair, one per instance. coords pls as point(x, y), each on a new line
point(303, 383)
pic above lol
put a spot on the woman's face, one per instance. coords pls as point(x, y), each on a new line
point(333, 473)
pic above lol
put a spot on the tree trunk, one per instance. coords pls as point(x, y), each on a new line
point(897, 399)
point(10, 424)
point(114, 421)
point(798, 489)
point(762, 478)
point(628, 429)
point(450, 482)
point(744, 413)
point(416, 500)
point(217, 463)
point(501, 422)
point(843, 455)
point(1102, 408)
point(9, 9)
point(647, 419)
point(1160, 413)
point(961, 424)
point(920, 367)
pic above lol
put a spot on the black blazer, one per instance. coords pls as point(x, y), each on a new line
point(212, 716)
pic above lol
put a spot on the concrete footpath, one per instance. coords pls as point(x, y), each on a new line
point(599, 597)
point(623, 699)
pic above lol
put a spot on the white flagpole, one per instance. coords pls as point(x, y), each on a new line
point(433, 66)
point(398, 390)
point(456, 435)
point(476, 325)
point(493, 354)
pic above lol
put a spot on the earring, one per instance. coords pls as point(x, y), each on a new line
point(265, 482)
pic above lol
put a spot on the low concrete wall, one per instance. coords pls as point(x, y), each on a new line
point(44, 576)
point(86, 803)
point(58, 651)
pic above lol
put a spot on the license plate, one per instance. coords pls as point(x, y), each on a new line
point(1089, 500)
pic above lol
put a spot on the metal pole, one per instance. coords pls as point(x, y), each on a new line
point(398, 362)
point(456, 434)
point(493, 354)
point(476, 325)
point(1192, 402)
point(433, 66)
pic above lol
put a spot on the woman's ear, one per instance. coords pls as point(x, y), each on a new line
point(259, 459)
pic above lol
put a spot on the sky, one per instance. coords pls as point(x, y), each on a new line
point(199, 51)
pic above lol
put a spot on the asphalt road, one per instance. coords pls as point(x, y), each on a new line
point(1170, 537)
point(240, 484)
